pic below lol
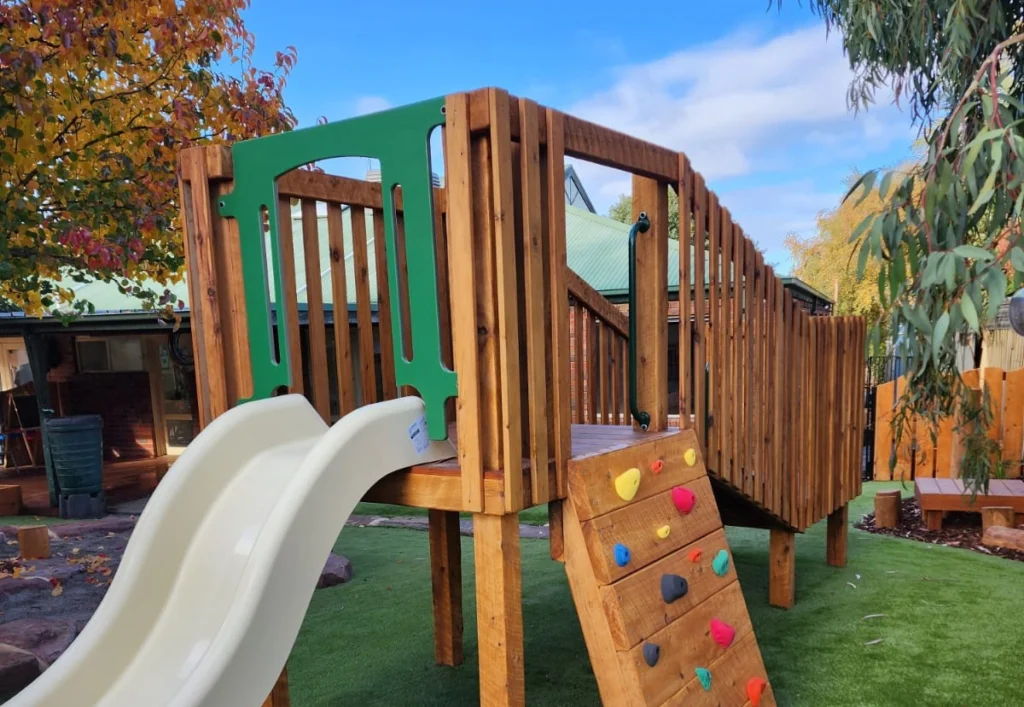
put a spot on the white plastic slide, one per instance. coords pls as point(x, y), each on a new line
point(218, 573)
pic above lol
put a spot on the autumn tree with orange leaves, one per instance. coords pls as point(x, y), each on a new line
point(96, 100)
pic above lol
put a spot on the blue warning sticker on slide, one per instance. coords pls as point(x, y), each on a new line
point(418, 434)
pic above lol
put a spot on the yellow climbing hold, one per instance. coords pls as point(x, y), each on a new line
point(690, 457)
point(627, 483)
point(663, 531)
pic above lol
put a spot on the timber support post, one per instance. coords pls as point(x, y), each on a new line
point(499, 610)
point(782, 569)
point(838, 528)
point(446, 586)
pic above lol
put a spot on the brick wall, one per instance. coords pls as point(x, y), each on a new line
point(123, 400)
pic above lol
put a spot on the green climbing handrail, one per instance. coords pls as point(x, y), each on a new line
point(399, 139)
point(642, 225)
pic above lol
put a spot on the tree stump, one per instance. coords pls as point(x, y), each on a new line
point(998, 536)
point(34, 542)
point(10, 500)
point(888, 509)
point(997, 515)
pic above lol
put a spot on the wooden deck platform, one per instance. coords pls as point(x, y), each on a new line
point(938, 495)
point(122, 482)
point(439, 485)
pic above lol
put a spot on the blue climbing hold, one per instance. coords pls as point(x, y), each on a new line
point(704, 675)
point(622, 555)
point(652, 651)
point(672, 587)
point(721, 563)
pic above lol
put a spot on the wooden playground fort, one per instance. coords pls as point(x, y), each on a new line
point(473, 305)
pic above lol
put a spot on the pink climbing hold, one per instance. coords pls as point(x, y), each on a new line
point(755, 688)
point(722, 632)
point(684, 499)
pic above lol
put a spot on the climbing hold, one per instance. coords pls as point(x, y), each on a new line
point(656, 466)
point(622, 555)
point(672, 587)
point(722, 632)
point(755, 688)
point(695, 554)
point(704, 675)
point(627, 483)
point(690, 457)
point(684, 499)
point(651, 654)
point(721, 563)
point(663, 531)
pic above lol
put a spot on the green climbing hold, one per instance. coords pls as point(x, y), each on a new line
point(721, 563)
point(704, 675)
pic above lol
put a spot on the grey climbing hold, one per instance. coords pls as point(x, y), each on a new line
point(672, 587)
point(651, 653)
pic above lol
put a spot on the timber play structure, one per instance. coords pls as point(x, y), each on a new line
point(466, 368)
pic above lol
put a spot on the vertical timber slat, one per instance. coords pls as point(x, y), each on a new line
point(317, 334)
point(463, 301)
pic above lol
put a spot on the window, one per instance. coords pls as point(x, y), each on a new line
point(107, 355)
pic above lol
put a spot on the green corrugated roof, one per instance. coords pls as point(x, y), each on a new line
point(597, 249)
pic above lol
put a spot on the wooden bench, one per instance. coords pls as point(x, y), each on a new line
point(939, 495)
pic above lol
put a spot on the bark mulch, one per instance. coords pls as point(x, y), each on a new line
point(959, 529)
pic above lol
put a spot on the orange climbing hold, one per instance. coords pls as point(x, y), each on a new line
point(656, 466)
point(695, 554)
point(755, 688)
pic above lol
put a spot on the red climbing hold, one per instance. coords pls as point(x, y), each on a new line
point(722, 632)
point(755, 688)
point(695, 554)
point(656, 466)
point(684, 499)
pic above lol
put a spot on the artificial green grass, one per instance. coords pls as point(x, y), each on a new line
point(950, 634)
point(31, 520)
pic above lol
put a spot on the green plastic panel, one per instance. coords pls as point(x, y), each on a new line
point(399, 139)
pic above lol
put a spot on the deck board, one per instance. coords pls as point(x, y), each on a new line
point(949, 495)
point(586, 440)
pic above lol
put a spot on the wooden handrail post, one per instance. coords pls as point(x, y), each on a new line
point(651, 196)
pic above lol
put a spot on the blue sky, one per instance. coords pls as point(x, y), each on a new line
point(755, 97)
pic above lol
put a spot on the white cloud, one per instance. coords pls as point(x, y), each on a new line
point(770, 110)
point(371, 104)
point(723, 102)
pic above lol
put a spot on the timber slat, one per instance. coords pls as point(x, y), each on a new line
point(291, 295)
point(503, 225)
point(316, 332)
point(535, 301)
point(364, 314)
point(339, 289)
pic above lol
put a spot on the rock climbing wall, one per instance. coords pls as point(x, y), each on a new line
point(650, 570)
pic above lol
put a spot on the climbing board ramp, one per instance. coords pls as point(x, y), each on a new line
point(652, 576)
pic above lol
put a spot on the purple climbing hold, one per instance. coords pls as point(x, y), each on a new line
point(672, 587)
point(622, 555)
point(651, 654)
